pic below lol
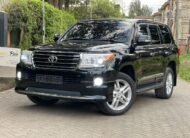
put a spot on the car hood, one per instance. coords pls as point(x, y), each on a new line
point(84, 46)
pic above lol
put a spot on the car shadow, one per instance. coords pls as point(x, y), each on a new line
point(146, 95)
point(76, 108)
point(63, 107)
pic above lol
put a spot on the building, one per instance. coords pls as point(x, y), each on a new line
point(167, 15)
point(143, 17)
point(164, 10)
point(184, 19)
point(157, 17)
point(3, 2)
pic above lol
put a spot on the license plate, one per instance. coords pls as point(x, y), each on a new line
point(49, 79)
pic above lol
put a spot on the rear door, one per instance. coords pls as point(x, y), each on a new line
point(157, 45)
point(164, 50)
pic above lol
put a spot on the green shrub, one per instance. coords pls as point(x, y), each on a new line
point(26, 16)
point(184, 70)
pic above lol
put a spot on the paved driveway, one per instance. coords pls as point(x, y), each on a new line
point(148, 118)
point(8, 72)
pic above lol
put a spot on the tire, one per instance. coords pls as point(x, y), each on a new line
point(166, 91)
point(128, 90)
point(42, 100)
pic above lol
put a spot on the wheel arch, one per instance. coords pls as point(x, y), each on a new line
point(129, 70)
point(172, 65)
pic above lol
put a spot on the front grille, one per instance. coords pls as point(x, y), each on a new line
point(66, 60)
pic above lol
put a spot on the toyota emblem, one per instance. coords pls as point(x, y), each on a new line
point(53, 59)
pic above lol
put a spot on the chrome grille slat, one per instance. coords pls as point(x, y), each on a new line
point(66, 60)
point(67, 52)
point(55, 63)
point(45, 58)
point(58, 55)
point(56, 67)
point(46, 68)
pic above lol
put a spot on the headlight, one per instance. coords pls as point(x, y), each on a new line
point(26, 57)
point(96, 60)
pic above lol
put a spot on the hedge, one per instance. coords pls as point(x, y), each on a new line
point(26, 16)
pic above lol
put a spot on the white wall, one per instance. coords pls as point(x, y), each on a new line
point(9, 56)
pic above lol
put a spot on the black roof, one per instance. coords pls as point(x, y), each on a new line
point(133, 21)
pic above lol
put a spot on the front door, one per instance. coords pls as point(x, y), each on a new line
point(146, 55)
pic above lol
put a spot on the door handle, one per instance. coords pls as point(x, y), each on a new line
point(166, 53)
point(152, 54)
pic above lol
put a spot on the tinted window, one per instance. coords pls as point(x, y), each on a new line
point(165, 34)
point(118, 31)
point(154, 34)
point(143, 29)
point(143, 36)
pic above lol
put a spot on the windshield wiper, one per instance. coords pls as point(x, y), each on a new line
point(110, 40)
point(75, 39)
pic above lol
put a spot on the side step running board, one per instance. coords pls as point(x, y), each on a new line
point(147, 88)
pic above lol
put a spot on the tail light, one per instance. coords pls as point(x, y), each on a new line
point(178, 51)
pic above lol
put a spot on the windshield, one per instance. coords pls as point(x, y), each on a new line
point(113, 31)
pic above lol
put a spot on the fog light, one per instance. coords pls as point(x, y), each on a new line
point(19, 75)
point(98, 81)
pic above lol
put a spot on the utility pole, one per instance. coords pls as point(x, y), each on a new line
point(170, 15)
point(188, 39)
point(43, 22)
point(91, 9)
point(177, 22)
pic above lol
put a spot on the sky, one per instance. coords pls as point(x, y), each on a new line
point(154, 4)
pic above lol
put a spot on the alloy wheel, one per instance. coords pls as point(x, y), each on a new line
point(169, 83)
point(122, 95)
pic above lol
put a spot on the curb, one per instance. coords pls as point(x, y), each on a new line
point(6, 83)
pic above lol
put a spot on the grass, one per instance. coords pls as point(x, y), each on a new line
point(184, 70)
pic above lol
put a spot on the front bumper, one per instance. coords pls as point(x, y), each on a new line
point(77, 85)
point(61, 95)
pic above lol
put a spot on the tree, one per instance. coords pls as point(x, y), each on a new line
point(146, 11)
point(80, 12)
point(81, 8)
point(100, 9)
point(105, 9)
point(25, 18)
point(62, 3)
point(137, 10)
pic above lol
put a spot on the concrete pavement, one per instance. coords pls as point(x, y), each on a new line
point(7, 77)
point(148, 118)
point(7, 72)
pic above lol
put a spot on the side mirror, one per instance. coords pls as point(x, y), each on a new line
point(143, 39)
point(56, 37)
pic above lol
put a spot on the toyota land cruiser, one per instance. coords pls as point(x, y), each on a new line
point(106, 61)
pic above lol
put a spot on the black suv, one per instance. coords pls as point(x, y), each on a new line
point(106, 61)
